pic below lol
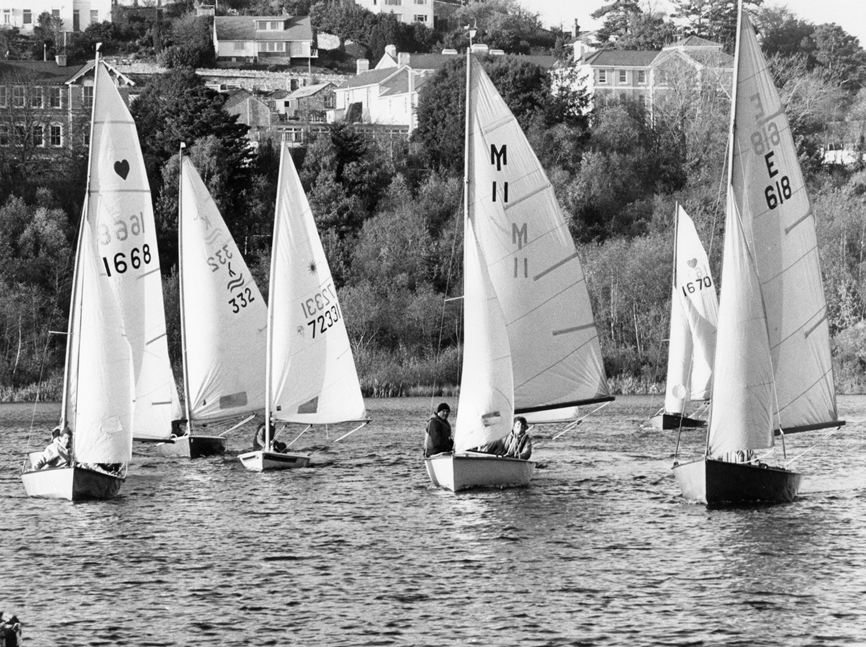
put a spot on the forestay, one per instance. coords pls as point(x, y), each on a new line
point(313, 376)
point(531, 260)
point(224, 315)
point(771, 262)
point(694, 315)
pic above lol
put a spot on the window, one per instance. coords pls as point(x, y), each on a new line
point(27, 17)
point(239, 45)
point(394, 3)
point(36, 97)
point(55, 98)
point(38, 135)
point(87, 95)
point(272, 47)
point(269, 25)
point(641, 100)
point(420, 1)
point(55, 13)
point(641, 77)
point(55, 135)
point(94, 16)
point(86, 137)
point(76, 20)
point(602, 76)
point(7, 16)
point(3, 99)
point(18, 96)
point(420, 18)
point(4, 134)
point(622, 76)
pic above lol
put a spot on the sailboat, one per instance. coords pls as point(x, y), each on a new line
point(223, 322)
point(694, 314)
point(310, 375)
point(116, 373)
point(530, 346)
point(773, 372)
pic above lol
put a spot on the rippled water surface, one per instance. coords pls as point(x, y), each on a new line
point(360, 550)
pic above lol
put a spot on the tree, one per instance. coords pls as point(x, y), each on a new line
point(618, 15)
point(502, 24)
point(714, 20)
point(841, 56)
point(190, 43)
point(783, 33)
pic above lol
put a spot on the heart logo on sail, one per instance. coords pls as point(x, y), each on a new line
point(692, 262)
point(122, 168)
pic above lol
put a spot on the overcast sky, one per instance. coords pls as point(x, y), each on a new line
point(848, 14)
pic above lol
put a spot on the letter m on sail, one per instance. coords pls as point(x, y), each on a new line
point(499, 157)
point(519, 237)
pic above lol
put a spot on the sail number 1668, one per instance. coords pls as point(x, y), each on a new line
point(119, 263)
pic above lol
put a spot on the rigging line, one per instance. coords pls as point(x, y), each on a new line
point(242, 422)
point(574, 424)
point(808, 449)
point(458, 213)
point(36, 399)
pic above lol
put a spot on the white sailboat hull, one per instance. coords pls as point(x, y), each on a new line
point(719, 482)
point(261, 461)
point(193, 446)
point(477, 470)
point(71, 483)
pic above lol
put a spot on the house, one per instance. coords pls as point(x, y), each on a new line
point(77, 15)
point(310, 103)
point(388, 94)
point(47, 106)
point(252, 110)
point(645, 75)
point(406, 11)
point(263, 39)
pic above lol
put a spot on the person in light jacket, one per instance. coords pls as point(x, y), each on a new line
point(57, 453)
point(518, 444)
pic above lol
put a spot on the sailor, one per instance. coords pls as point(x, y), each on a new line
point(57, 452)
point(438, 438)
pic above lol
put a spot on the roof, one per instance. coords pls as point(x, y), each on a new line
point(693, 41)
point(430, 61)
point(244, 28)
point(45, 72)
point(373, 77)
point(712, 58)
point(621, 58)
point(113, 71)
point(309, 90)
point(544, 62)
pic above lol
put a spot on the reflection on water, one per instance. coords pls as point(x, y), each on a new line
point(359, 549)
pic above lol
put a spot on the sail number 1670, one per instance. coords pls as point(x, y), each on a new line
point(119, 263)
point(702, 283)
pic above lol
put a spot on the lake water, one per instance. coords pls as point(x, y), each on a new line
point(361, 550)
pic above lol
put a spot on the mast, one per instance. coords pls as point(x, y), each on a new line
point(731, 129)
point(269, 361)
point(466, 142)
point(71, 329)
point(186, 394)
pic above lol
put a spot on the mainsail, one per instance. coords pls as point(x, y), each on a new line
point(312, 375)
point(224, 316)
point(532, 262)
point(694, 315)
point(118, 378)
point(773, 330)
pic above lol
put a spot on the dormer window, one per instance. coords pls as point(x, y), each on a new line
point(269, 25)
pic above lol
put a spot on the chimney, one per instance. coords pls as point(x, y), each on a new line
point(403, 58)
point(362, 65)
point(60, 59)
point(391, 50)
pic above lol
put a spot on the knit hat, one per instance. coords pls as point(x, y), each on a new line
point(443, 407)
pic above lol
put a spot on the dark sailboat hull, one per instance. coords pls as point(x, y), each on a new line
point(191, 446)
point(718, 482)
point(675, 421)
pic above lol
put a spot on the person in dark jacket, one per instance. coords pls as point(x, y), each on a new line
point(438, 438)
point(518, 444)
